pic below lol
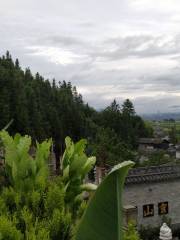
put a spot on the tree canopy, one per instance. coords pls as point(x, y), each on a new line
point(42, 109)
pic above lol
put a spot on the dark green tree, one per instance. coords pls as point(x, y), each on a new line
point(42, 109)
point(128, 108)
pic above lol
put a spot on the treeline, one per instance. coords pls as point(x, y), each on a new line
point(44, 109)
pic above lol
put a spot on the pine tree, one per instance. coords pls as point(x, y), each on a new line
point(128, 108)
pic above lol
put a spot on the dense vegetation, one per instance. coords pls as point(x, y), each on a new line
point(44, 109)
point(33, 206)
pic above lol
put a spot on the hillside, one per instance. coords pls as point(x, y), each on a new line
point(42, 109)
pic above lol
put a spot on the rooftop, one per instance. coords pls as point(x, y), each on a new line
point(153, 174)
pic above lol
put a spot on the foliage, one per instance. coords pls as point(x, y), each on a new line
point(128, 108)
point(103, 217)
point(170, 127)
point(149, 128)
point(127, 126)
point(131, 233)
point(8, 230)
point(42, 109)
point(60, 225)
point(176, 233)
point(156, 159)
point(75, 166)
point(32, 207)
point(109, 150)
point(25, 173)
point(173, 135)
point(149, 233)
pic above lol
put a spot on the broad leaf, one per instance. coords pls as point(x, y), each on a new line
point(78, 162)
point(80, 146)
point(103, 217)
point(88, 165)
point(66, 173)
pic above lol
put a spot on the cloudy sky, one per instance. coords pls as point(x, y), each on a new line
point(108, 49)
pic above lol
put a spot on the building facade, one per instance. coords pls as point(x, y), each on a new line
point(154, 194)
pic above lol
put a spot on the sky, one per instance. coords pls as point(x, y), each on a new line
point(109, 50)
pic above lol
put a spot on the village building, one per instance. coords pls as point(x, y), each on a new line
point(150, 195)
point(154, 192)
point(150, 145)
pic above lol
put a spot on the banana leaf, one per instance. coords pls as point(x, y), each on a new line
point(102, 219)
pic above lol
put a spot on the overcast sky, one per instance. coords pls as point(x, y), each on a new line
point(108, 49)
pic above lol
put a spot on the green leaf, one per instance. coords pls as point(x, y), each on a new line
point(14, 170)
point(67, 153)
point(68, 142)
point(23, 145)
point(10, 148)
point(17, 137)
point(78, 162)
point(80, 146)
point(66, 173)
point(103, 217)
point(79, 197)
point(88, 165)
point(25, 173)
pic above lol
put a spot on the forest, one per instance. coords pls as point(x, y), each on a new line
point(49, 114)
point(43, 108)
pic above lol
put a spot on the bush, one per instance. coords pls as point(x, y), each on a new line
point(149, 233)
point(54, 199)
point(60, 225)
point(8, 230)
point(131, 233)
point(32, 207)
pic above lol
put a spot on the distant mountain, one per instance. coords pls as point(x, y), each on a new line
point(161, 116)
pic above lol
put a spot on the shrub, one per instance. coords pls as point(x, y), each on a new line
point(8, 230)
point(131, 233)
point(32, 206)
point(149, 233)
point(60, 225)
point(54, 199)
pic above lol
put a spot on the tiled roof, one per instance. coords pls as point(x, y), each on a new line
point(153, 174)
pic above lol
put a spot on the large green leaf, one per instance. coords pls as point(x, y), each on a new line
point(68, 153)
point(24, 172)
point(80, 146)
point(103, 217)
point(90, 162)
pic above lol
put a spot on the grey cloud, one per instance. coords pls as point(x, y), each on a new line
point(159, 104)
point(58, 40)
point(87, 25)
point(105, 33)
point(169, 82)
point(140, 46)
point(175, 106)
